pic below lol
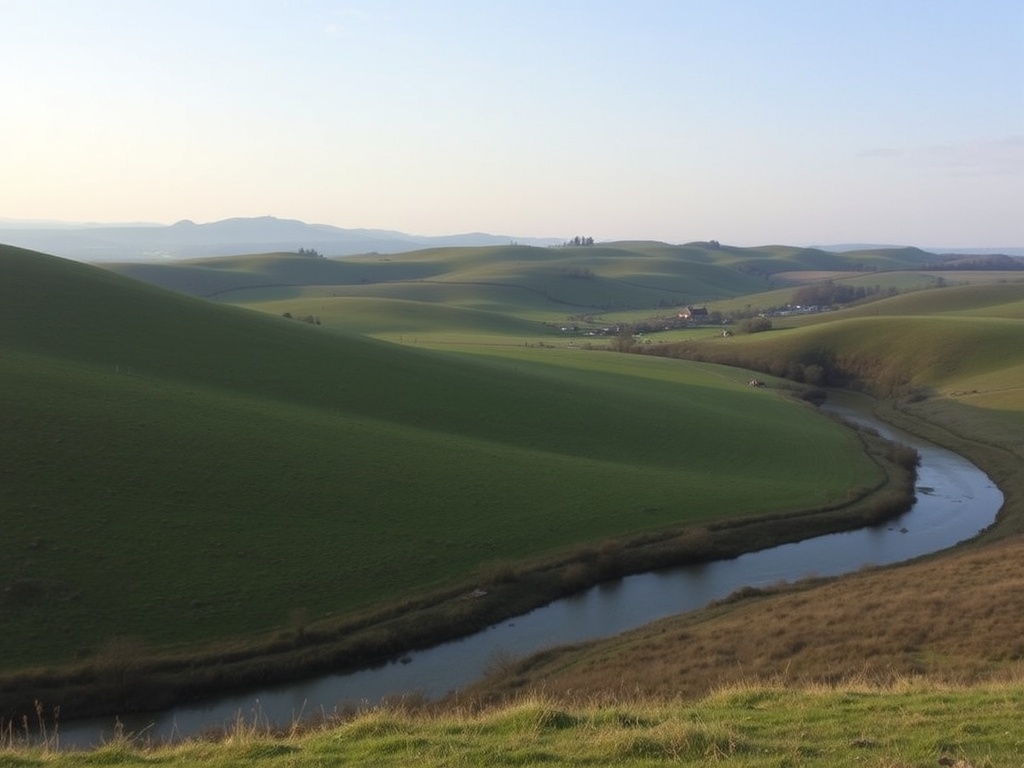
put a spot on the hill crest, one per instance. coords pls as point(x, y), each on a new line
point(226, 237)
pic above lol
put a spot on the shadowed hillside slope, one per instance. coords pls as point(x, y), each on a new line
point(178, 472)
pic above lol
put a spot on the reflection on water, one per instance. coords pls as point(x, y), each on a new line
point(955, 501)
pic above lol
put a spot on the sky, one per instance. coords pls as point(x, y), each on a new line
point(747, 121)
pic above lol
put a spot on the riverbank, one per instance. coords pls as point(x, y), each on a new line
point(989, 438)
point(130, 680)
point(952, 617)
point(906, 722)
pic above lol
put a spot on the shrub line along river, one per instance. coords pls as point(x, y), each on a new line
point(955, 501)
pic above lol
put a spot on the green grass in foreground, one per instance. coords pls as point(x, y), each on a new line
point(910, 724)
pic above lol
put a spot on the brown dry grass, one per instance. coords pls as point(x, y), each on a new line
point(957, 618)
point(954, 617)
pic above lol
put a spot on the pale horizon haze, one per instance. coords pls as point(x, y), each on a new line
point(746, 121)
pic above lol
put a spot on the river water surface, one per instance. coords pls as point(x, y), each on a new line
point(955, 500)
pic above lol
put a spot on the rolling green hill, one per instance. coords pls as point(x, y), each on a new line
point(600, 277)
point(924, 342)
point(177, 476)
point(182, 472)
point(952, 357)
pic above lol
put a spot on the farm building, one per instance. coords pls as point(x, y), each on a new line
point(694, 313)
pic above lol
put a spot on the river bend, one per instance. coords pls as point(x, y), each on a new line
point(955, 500)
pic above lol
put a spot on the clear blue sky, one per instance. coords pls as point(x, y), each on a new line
point(747, 121)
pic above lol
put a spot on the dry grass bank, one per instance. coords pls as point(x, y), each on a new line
point(951, 617)
point(957, 618)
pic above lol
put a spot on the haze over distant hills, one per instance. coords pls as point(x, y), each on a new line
point(186, 239)
point(844, 247)
point(146, 241)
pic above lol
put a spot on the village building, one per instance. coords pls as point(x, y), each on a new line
point(694, 313)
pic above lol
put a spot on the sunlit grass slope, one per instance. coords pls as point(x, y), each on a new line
point(932, 342)
point(880, 283)
point(181, 471)
point(953, 357)
point(531, 283)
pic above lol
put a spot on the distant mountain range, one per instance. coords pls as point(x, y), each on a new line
point(186, 239)
point(264, 234)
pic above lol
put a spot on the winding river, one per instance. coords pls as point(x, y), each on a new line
point(955, 500)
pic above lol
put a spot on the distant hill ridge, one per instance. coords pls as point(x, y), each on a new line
point(228, 237)
point(843, 247)
point(147, 241)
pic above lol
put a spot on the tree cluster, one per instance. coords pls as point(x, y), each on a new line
point(312, 253)
point(998, 261)
point(311, 319)
point(581, 241)
point(827, 294)
point(624, 340)
point(754, 325)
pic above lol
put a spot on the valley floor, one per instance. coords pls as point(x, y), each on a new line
point(904, 666)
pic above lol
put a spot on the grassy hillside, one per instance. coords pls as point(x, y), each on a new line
point(179, 472)
point(957, 340)
point(953, 619)
point(217, 276)
point(303, 474)
point(951, 358)
point(613, 276)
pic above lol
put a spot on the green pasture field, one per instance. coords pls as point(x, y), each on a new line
point(388, 318)
point(373, 304)
point(444, 323)
point(181, 472)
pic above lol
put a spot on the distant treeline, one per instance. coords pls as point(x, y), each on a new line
point(828, 294)
point(998, 261)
